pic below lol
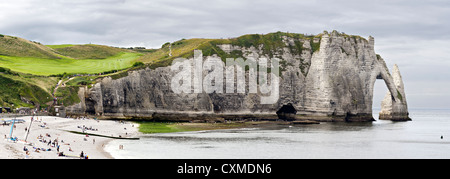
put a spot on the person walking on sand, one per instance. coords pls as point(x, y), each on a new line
point(82, 154)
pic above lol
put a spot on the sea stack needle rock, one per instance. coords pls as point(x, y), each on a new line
point(392, 109)
point(325, 77)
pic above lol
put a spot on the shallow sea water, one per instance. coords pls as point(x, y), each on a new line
point(419, 138)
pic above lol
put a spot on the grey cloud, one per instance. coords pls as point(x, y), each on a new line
point(232, 18)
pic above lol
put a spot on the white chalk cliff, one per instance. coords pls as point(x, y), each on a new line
point(331, 83)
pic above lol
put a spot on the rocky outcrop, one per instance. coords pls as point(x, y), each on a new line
point(330, 82)
point(395, 108)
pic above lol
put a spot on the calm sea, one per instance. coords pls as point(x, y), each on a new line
point(419, 138)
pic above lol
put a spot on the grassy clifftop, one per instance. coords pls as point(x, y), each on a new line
point(89, 51)
point(46, 67)
point(18, 47)
point(270, 44)
point(25, 90)
point(29, 57)
point(28, 69)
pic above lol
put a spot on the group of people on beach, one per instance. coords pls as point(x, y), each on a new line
point(55, 143)
point(43, 138)
point(84, 128)
point(45, 143)
point(51, 143)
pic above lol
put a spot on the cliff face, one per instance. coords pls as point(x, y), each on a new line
point(332, 81)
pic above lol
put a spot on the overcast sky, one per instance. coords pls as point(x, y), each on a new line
point(413, 34)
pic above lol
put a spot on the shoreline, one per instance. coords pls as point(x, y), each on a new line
point(102, 149)
point(54, 132)
point(94, 139)
point(108, 155)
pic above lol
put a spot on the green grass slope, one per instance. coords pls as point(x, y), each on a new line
point(42, 66)
point(89, 51)
point(182, 48)
point(24, 91)
point(18, 47)
point(29, 57)
point(27, 67)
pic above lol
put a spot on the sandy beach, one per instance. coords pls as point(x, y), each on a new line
point(49, 132)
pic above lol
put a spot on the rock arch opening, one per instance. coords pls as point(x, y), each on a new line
point(90, 106)
point(287, 112)
point(379, 93)
point(393, 103)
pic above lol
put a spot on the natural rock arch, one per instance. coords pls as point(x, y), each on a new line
point(393, 106)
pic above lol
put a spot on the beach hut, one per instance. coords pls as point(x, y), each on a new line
point(60, 111)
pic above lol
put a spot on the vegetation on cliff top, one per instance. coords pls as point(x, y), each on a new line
point(24, 91)
point(47, 67)
point(18, 47)
point(89, 51)
point(29, 71)
point(271, 44)
point(31, 57)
